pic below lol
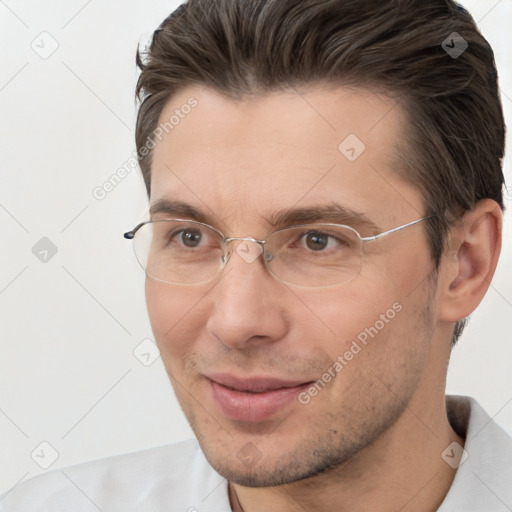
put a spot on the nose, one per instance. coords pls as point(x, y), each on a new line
point(249, 306)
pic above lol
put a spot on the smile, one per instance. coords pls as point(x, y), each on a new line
point(255, 399)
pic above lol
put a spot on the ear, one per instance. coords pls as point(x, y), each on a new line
point(468, 265)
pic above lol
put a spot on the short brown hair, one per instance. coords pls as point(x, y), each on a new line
point(456, 138)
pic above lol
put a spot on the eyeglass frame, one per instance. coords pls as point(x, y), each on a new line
point(130, 235)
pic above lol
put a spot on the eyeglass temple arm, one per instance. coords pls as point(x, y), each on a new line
point(394, 230)
point(129, 235)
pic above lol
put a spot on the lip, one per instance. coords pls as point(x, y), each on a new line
point(253, 399)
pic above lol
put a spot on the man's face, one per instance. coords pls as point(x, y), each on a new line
point(239, 164)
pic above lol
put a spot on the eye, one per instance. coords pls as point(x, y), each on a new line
point(176, 236)
point(190, 237)
point(318, 241)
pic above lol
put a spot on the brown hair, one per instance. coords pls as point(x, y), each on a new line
point(455, 141)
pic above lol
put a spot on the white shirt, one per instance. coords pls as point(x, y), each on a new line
point(177, 477)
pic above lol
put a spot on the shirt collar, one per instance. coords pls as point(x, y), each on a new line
point(483, 482)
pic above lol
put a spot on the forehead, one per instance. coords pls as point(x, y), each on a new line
point(249, 157)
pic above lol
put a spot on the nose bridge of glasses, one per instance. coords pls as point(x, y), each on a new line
point(249, 248)
point(243, 239)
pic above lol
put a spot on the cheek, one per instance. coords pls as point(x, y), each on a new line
point(368, 322)
point(348, 311)
point(175, 315)
point(381, 343)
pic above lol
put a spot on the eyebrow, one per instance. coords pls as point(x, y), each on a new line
point(177, 209)
point(332, 213)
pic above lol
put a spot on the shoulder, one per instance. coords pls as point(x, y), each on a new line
point(171, 477)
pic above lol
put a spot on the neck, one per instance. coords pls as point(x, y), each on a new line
point(403, 470)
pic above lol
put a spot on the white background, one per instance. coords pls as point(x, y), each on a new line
point(68, 375)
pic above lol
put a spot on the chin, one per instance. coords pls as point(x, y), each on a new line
point(266, 464)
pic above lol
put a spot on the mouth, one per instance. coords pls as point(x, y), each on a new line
point(253, 399)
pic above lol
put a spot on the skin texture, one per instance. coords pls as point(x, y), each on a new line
point(371, 439)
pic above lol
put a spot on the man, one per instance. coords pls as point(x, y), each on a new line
point(325, 191)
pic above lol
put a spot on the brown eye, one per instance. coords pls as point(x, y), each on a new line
point(316, 241)
point(191, 237)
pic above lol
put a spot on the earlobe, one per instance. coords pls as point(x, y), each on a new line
point(469, 266)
